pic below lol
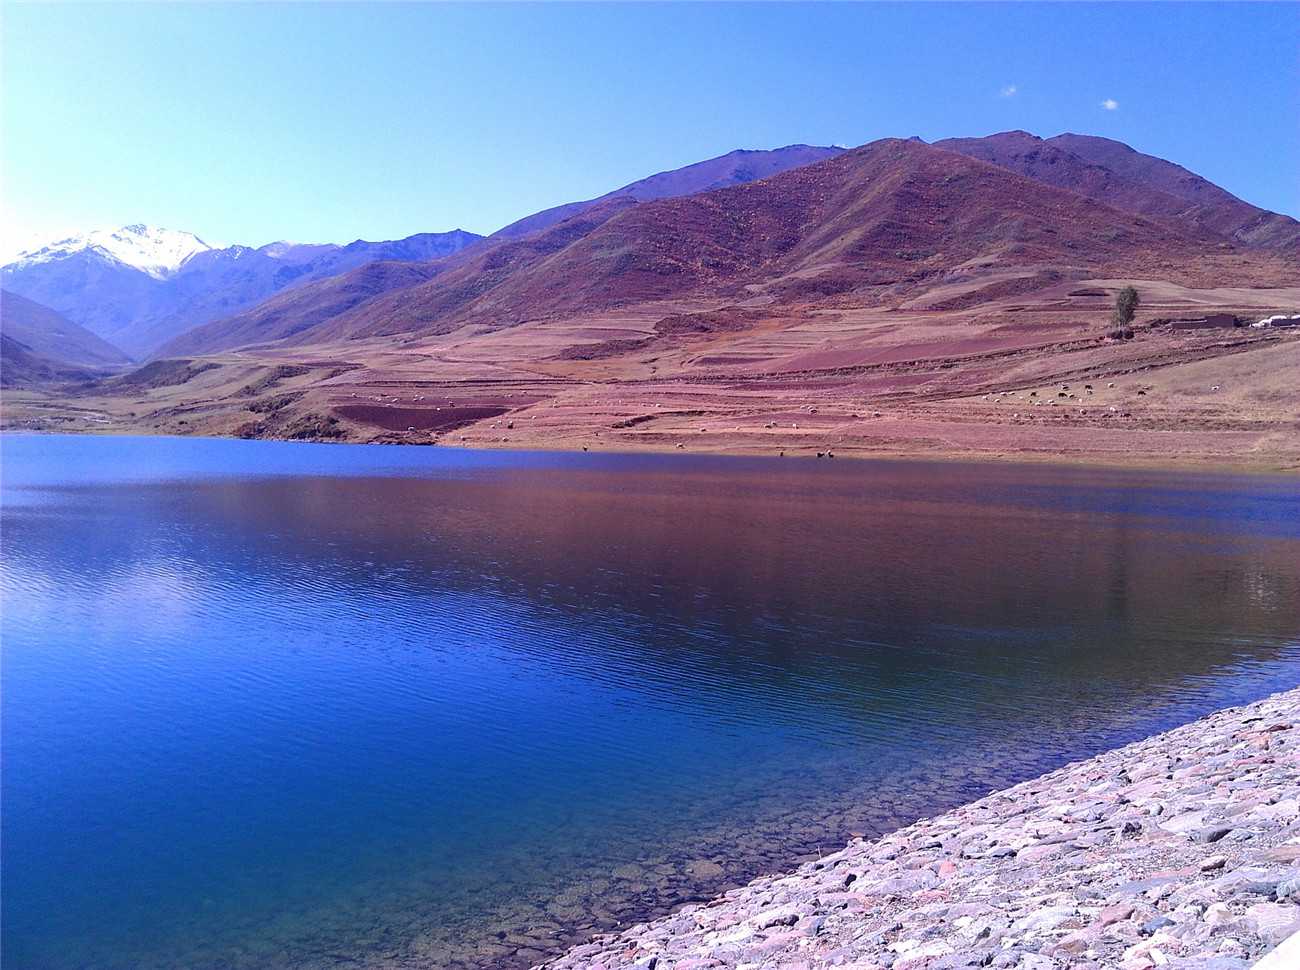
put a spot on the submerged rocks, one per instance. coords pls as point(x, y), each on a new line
point(704, 869)
point(1104, 863)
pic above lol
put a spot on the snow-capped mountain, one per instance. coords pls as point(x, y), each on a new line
point(150, 249)
point(139, 286)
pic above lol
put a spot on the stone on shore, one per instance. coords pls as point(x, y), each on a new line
point(1179, 851)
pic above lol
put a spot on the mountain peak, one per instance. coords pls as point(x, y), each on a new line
point(736, 166)
point(150, 249)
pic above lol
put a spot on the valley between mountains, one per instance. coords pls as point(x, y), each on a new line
point(898, 299)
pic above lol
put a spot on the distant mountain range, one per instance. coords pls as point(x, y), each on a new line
point(139, 286)
point(800, 224)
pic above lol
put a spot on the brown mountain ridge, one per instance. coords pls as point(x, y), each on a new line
point(877, 222)
point(1113, 173)
point(900, 298)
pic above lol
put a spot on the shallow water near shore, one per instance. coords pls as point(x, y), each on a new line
point(282, 705)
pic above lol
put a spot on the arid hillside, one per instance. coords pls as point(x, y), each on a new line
point(899, 298)
point(733, 168)
point(878, 224)
point(315, 304)
point(1111, 172)
point(40, 346)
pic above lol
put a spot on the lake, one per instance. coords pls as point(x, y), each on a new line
point(293, 705)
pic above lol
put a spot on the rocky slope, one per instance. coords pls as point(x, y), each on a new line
point(1179, 851)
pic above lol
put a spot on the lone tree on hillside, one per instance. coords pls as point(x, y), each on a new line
point(1126, 304)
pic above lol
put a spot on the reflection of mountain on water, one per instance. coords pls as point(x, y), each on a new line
point(1022, 579)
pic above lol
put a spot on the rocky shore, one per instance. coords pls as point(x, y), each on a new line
point(1180, 851)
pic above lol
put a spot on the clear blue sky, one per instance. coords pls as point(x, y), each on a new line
point(326, 122)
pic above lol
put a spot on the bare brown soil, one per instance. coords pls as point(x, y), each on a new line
point(1021, 377)
point(415, 419)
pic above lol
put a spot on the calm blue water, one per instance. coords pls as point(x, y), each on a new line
point(286, 705)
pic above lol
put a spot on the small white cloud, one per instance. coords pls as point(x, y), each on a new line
point(1110, 104)
point(1009, 91)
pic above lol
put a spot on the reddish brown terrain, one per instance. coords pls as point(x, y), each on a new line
point(899, 298)
point(1124, 179)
